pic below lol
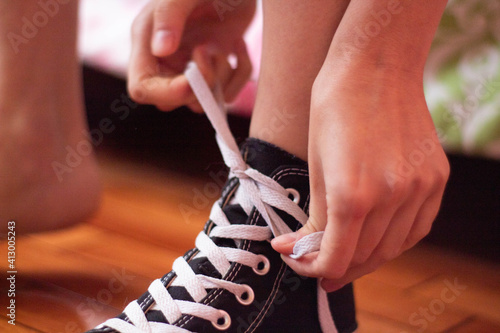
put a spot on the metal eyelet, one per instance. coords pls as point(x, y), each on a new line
point(295, 195)
point(247, 297)
point(263, 267)
point(223, 322)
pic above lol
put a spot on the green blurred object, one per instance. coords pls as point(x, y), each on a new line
point(462, 78)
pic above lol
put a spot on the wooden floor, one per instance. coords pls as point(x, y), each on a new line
point(71, 280)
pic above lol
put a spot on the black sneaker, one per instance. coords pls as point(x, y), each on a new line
point(233, 281)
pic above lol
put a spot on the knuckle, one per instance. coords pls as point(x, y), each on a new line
point(361, 257)
point(446, 169)
point(385, 254)
point(416, 236)
point(137, 93)
point(417, 182)
point(371, 268)
point(423, 182)
point(165, 8)
point(444, 163)
point(332, 269)
point(312, 225)
point(424, 231)
point(320, 100)
point(444, 174)
point(349, 205)
point(334, 272)
point(398, 190)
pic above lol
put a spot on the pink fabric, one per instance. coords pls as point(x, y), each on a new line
point(104, 42)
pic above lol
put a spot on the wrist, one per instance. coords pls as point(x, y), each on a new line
point(365, 74)
point(376, 61)
point(366, 85)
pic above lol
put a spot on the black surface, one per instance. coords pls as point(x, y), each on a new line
point(469, 219)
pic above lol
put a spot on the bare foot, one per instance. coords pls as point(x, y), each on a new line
point(48, 173)
point(48, 179)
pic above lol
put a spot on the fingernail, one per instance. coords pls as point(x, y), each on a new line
point(285, 239)
point(163, 42)
point(283, 257)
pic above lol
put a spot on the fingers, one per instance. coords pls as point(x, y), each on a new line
point(145, 84)
point(231, 80)
point(284, 244)
point(428, 212)
point(169, 19)
point(367, 229)
point(205, 58)
point(345, 220)
point(151, 80)
point(396, 212)
point(399, 237)
point(241, 73)
point(317, 222)
point(156, 65)
point(216, 69)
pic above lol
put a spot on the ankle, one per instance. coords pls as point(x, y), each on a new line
point(285, 127)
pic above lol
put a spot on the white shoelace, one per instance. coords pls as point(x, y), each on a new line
point(255, 190)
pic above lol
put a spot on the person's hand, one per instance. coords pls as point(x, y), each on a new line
point(377, 173)
point(167, 34)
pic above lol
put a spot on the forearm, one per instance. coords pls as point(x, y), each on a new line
point(391, 35)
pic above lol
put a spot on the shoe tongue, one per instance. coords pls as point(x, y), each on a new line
point(266, 157)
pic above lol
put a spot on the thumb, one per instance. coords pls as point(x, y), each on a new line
point(169, 19)
point(284, 243)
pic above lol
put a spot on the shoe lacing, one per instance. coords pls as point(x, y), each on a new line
point(255, 190)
